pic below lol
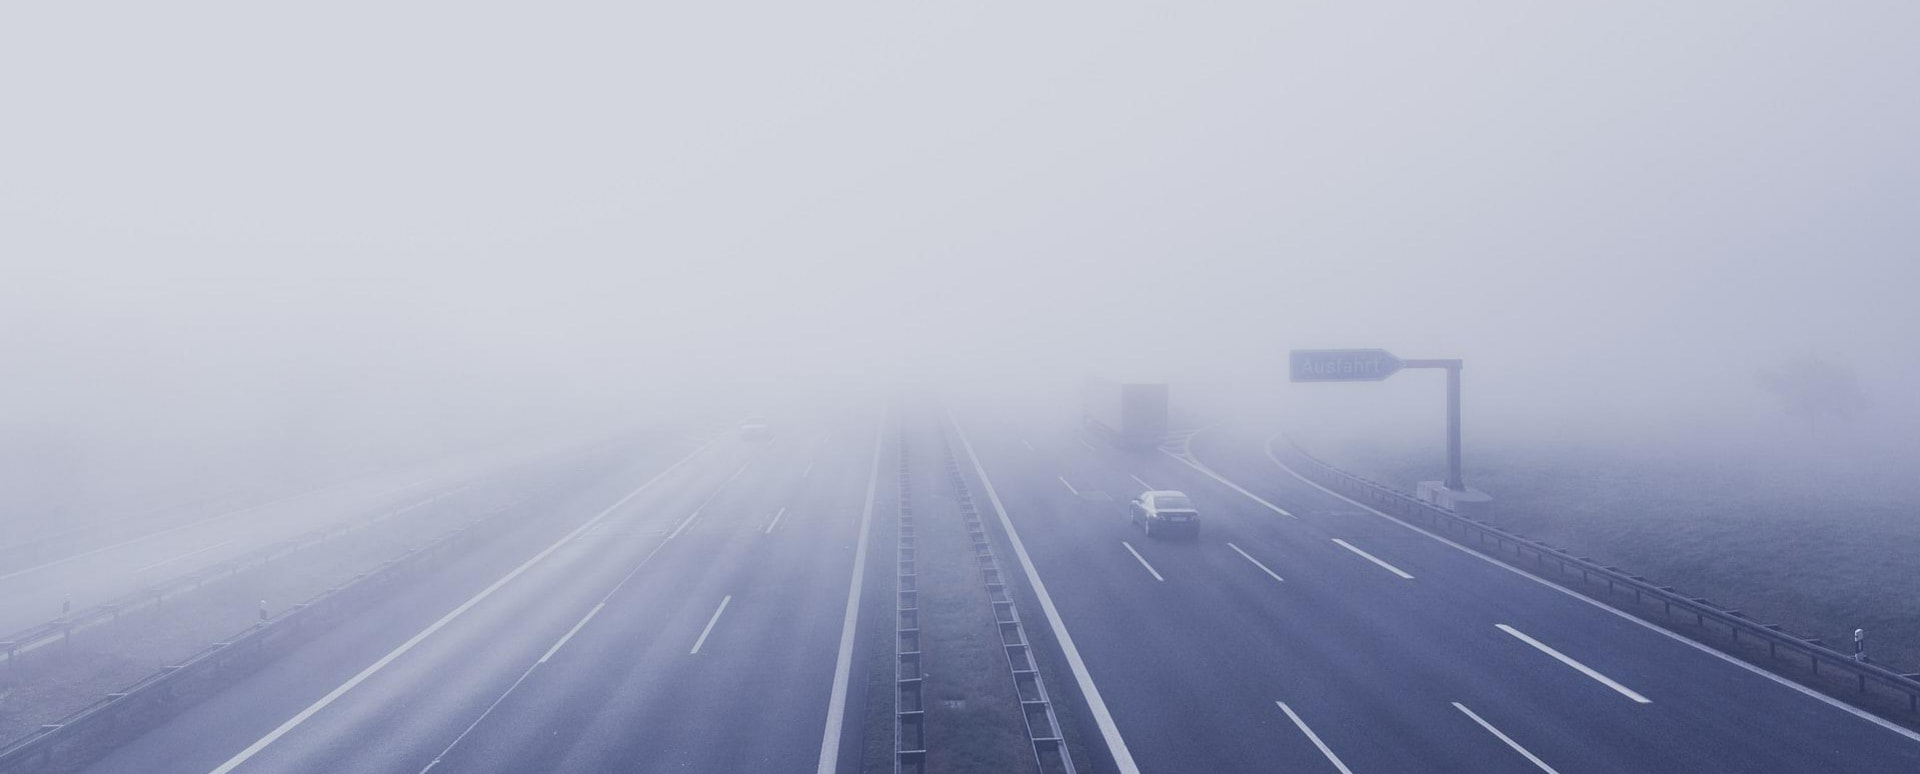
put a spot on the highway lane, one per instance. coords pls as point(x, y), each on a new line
point(1319, 639)
point(1191, 666)
point(1706, 710)
point(630, 693)
point(1371, 662)
point(656, 573)
point(211, 733)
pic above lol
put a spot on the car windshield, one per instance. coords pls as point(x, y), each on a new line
point(1174, 502)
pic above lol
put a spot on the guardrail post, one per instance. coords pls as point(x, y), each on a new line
point(1814, 648)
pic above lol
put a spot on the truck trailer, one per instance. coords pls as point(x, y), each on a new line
point(1129, 414)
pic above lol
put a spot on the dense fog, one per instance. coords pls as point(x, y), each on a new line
point(245, 244)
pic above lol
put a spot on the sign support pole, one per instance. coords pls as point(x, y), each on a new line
point(1372, 365)
point(1455, 481)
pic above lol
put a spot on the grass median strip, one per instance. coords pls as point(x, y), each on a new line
point(973, 715)
point(1102, 716)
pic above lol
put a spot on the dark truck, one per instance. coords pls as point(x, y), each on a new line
point(1129, 414)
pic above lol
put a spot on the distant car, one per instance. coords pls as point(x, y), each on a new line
point(1165, 512)
point(754, 428)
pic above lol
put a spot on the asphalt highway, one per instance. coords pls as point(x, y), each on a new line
point(692, 615)
point(1302, 632)
point(685, 619)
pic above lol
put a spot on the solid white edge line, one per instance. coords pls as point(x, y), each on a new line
point(1143, 561)
point(477, 721)
point(776, 520)
point(683, 525)
point(710, 622)
point(1624, 615)
point(1102, 717)
point(1195, 464)
point(1023, 442)
point(1063, 482)
point(1256, 563)
point(1083, 442)
point(808, 472)
point(843, 663)
point(570, 632)
point(332, 696)
point(1315, 738)
point(1376, 560)
point(543, 659)
point(1504, 738)
point(1136, 479)
point(189, 554)
point(1577, 666)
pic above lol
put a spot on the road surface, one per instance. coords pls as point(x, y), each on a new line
point(689, 619)
point(692, 618)
point(1302, 632)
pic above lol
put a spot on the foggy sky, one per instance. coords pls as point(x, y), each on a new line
point(235, 225)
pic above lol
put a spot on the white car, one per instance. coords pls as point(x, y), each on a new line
point(1165, 512)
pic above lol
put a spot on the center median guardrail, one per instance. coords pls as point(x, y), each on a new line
point(1044, 733)
point(1546, 557)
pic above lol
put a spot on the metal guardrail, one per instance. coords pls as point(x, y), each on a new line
point(13, 646)
point(118, 715)
point(1384, 498)
point(909, 696)
point(138, 527)
point(1050, 754)
point(122, 715)
point(17, 644)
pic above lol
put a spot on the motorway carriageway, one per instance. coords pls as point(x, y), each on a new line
point(680, 620)
point(1303, 633)
point(696, 624)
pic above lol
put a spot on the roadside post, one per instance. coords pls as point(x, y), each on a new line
point(1375, 365)
point(1860, 645)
